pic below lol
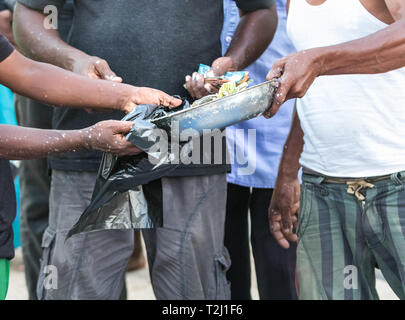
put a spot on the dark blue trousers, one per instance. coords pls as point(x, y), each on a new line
point(275, 266)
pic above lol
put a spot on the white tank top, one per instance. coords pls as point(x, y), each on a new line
point(354, 125)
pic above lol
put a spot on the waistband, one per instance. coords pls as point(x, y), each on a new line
point(318, 178)
point(355, 185)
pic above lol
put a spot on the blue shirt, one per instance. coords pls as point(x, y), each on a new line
point(258, 161)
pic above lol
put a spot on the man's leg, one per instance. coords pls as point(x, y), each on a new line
point(275, 266)
point(333, 258)
point(34, 190)
point(187, 257)
point(385, 230)
point(237, 241)
point(88, 265)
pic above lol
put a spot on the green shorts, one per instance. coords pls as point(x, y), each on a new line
point(4, 274)
point(345, 232)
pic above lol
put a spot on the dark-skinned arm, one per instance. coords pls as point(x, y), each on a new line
point(285, 201)
point(53, 85)
point(17, 143)
point(253, 35)
point(45, 45)
point(56, 86)
point(49, 47)
point(380, 52)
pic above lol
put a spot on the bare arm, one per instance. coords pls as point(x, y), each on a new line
point(285, 201)
point(289, 164)
point(245, 48)
point(53, 85)
point(39, 43)
point(45, 45)
point(380, 52)
point(28, 143)
point(254, 33)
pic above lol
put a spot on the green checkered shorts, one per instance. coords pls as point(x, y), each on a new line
point(343, 238)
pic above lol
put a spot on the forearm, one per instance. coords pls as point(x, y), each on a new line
point(18, 143)
point(253, 35)
point(378, 53)
point(55, 86)
point(39, 43)
point(289, 164)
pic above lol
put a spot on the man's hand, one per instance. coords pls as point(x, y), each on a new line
point(109, 136)
point(195, 83)
point(143, 95)
point(6, 19)
point(283, 210)
point(93, 67)
point(96, 68)
point(297, 72)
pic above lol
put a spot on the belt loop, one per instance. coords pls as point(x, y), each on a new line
point(396, 178)
point(318, 180)
point(311, 178)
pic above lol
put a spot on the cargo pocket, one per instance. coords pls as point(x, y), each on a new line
point(305, 210)
point(223, 286)
point(47, 244)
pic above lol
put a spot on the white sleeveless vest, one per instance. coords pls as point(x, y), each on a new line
point(354, 125)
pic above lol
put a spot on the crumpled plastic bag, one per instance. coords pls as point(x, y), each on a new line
point(118, 201)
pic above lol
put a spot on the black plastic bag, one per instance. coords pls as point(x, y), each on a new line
point(118, 201)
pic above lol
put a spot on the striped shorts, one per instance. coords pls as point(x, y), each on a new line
point(344, 235)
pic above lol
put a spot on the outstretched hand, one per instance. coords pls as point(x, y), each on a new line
point(296, 73)
point(143, 95)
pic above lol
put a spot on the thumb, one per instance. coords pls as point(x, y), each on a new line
point(276, 70)
point(123, 127)
point(221, 65)
point(173, 102)
point(6, 15)
point(103, 70)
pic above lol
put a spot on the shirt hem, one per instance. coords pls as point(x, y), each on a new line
point(88, 166)
point(249, 185)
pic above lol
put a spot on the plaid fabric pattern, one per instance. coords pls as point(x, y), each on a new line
point(342, 238)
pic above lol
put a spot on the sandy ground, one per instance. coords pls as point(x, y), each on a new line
point(138, 284)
